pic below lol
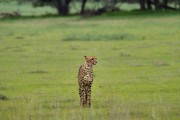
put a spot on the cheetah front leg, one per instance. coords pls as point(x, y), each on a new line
point(88, 92)
point(88, 83)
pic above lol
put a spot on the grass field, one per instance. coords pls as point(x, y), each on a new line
point(137, 76)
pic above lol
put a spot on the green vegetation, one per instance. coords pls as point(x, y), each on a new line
point(137, 75)
point(26, 9)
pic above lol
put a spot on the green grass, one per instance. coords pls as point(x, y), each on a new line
point(136, 78)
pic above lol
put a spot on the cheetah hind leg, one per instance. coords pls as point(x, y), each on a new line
point(82, 93)
point(88, 92)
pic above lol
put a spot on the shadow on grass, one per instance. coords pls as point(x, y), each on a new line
point(3, 97)
point(39, 72)
point(99, 37)
point(139, 13)
point(35, 17)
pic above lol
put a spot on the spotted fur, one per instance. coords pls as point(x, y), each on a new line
point(85, 80)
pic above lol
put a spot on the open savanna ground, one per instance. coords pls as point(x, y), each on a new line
point(137, 76)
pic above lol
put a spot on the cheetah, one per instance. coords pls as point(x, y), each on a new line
point(85, 80)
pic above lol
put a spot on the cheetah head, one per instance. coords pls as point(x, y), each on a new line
point(91, 59)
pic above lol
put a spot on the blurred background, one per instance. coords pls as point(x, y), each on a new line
point(81, 7)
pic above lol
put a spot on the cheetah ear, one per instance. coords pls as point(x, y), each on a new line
point(85, 57)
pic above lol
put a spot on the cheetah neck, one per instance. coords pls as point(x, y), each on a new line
point(88, 65)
